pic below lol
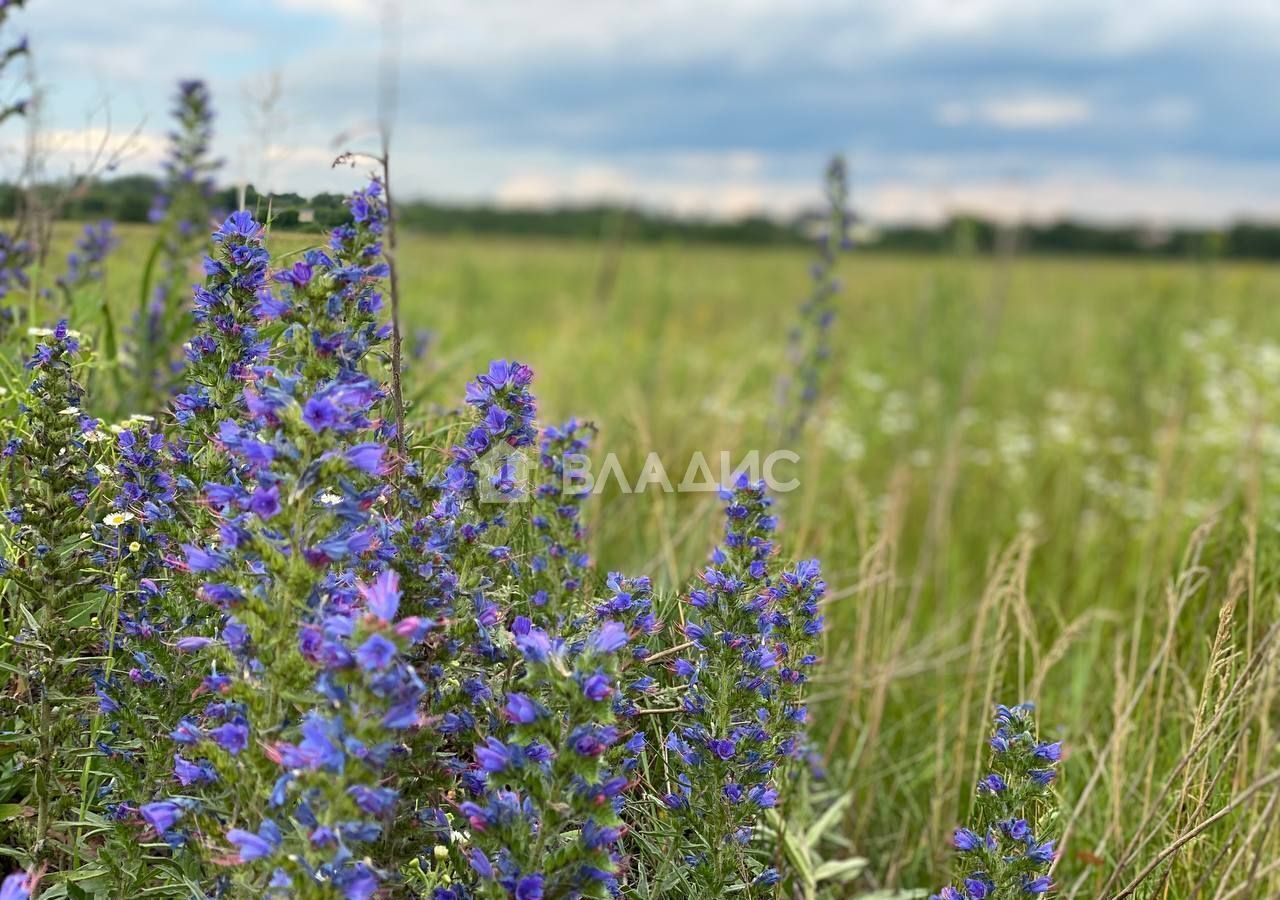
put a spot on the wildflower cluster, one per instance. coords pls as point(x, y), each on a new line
point(51, 482)
point(310, 650)
point(146, 666)
point(226, 345)
point(528, 723)
point(545, 821)
point(370, 673)
point(1005, 852)
point(752, 637)
point(458, 565)
point(330, 300)
point(16, 256)
point(86, 263)
point(559, 561)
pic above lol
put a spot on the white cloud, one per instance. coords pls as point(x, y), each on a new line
point(1171, 113)
point(736, 163)
point(1027, 112)
point(1037, 112)
point(347, 8)
point(1209, 198)
point(67, 151)
point(528, 190)
point(954, 113)
point(665, 185)
point(757, 30)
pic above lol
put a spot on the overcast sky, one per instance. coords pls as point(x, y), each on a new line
point(1167, 110)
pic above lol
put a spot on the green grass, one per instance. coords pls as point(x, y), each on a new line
point(1002, 482)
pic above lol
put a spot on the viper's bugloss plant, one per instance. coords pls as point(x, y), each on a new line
point(87, 262)
point(220, 359)
point(226, 343)
point(457, 569)
point(188, 168)
point(309, 667)
point(537, 701)
point(809, 350)
point(16, 256)
point(154, 616)
point(54, 587)
point(331, 299)
point(546, 820)
point(182, 212)
point(309, 671)
point(559, 562)
point(147, 670)
point(1008, 848)
point(741, 716)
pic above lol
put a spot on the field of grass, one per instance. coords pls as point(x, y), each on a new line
point(1027, 479)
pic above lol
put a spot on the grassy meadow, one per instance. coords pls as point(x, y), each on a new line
point(1027, 479)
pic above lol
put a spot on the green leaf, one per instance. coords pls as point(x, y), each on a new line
point(110, 345)
point(14, 811)
point(798, 854)
point(827, 820)
point(84, 873)
point(841, 870)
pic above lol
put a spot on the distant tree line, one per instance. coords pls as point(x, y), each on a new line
point(129, 198)
point(1241, 240)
